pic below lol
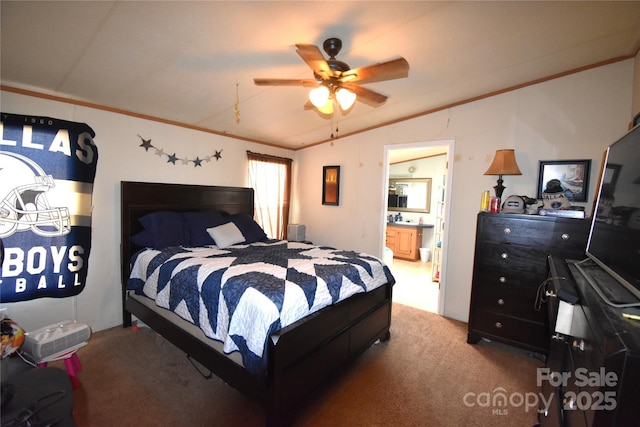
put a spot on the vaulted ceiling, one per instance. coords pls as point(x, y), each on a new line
point(193, 62)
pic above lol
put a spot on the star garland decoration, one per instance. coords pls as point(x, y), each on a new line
point(173, 158)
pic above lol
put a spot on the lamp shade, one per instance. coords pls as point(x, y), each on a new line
point(319, 96)
point(504, 163)
point(345, 98)
point(327, 108)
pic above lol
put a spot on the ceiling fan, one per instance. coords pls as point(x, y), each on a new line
point(335, 80)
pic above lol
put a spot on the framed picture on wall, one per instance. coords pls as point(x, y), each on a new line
point(331, 185)
point(572, 174)
point(611, 173)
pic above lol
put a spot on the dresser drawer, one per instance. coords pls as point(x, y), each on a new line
point(548, 234)
point(524, 259)
point(506, 328)
point(510, 301)
point(586, 355)
point(550, 410)
point(527, 283)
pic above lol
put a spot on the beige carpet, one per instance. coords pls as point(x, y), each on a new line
point(419, 378)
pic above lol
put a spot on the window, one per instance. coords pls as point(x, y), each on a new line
point(270, 178)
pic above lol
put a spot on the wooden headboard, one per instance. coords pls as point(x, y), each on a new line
point(140, 198)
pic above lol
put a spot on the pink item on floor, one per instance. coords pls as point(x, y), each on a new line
point(73, 365)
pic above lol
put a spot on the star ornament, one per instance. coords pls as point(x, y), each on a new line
point(146, 143)
point(218, 155)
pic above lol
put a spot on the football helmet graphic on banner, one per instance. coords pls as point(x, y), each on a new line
point(24, 205)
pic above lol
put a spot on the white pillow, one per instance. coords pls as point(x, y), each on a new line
point(226, 235)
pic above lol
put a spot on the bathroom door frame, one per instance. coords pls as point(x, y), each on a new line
point(450, 144)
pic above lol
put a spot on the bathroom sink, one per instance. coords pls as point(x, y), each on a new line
point(403, 223)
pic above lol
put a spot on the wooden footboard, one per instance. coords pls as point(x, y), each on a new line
point(308, 353)
point(301, 357)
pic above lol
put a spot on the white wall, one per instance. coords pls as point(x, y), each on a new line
point(122, 159)
point(573, 117)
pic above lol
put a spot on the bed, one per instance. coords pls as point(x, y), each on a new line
point(298, 358)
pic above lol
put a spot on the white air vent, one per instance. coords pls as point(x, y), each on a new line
point(296, 232)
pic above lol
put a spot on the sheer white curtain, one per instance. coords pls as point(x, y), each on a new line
point(270, 178)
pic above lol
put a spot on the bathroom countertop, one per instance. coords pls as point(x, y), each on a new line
point(409, 224)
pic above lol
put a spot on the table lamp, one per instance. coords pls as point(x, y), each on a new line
point(504, 163)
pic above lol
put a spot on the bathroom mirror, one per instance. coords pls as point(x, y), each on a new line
point(410, 194)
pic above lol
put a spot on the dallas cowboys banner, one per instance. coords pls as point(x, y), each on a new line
point(47, 170)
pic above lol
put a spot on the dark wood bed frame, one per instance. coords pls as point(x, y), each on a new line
point(300, 356)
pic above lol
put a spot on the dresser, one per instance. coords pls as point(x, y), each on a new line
point(592, 373)
point(510, 265)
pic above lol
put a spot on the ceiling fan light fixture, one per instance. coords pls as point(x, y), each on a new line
point(327, 108)
point(345, 98)
point(319, 96)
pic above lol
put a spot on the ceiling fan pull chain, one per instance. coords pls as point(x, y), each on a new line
point(333, 116)
point(236, 106)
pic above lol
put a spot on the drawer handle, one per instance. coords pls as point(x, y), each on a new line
point(507, 230)
point(565, 236)
point(578, 345)
point(500, 301)
point(502, 279)
point(498, 325)
point(568, 404)
point(504, 255)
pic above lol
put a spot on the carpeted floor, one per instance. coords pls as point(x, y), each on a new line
point(426, 375)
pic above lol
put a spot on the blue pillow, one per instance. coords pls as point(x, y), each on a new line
point(197, 224)
point(144, 239)
point(250, 229)
point(166, 229)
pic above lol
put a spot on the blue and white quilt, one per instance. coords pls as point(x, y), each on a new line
point(241, 294)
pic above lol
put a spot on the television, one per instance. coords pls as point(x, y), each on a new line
point(614, 238)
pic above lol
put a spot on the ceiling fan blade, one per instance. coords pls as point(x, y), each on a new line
point(313, 57)
point(395, 69)
point(367, 96)
point(286, 82)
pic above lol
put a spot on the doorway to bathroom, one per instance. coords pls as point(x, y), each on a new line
point(420, 277)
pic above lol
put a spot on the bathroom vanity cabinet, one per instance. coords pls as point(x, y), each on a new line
point(405, 239)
